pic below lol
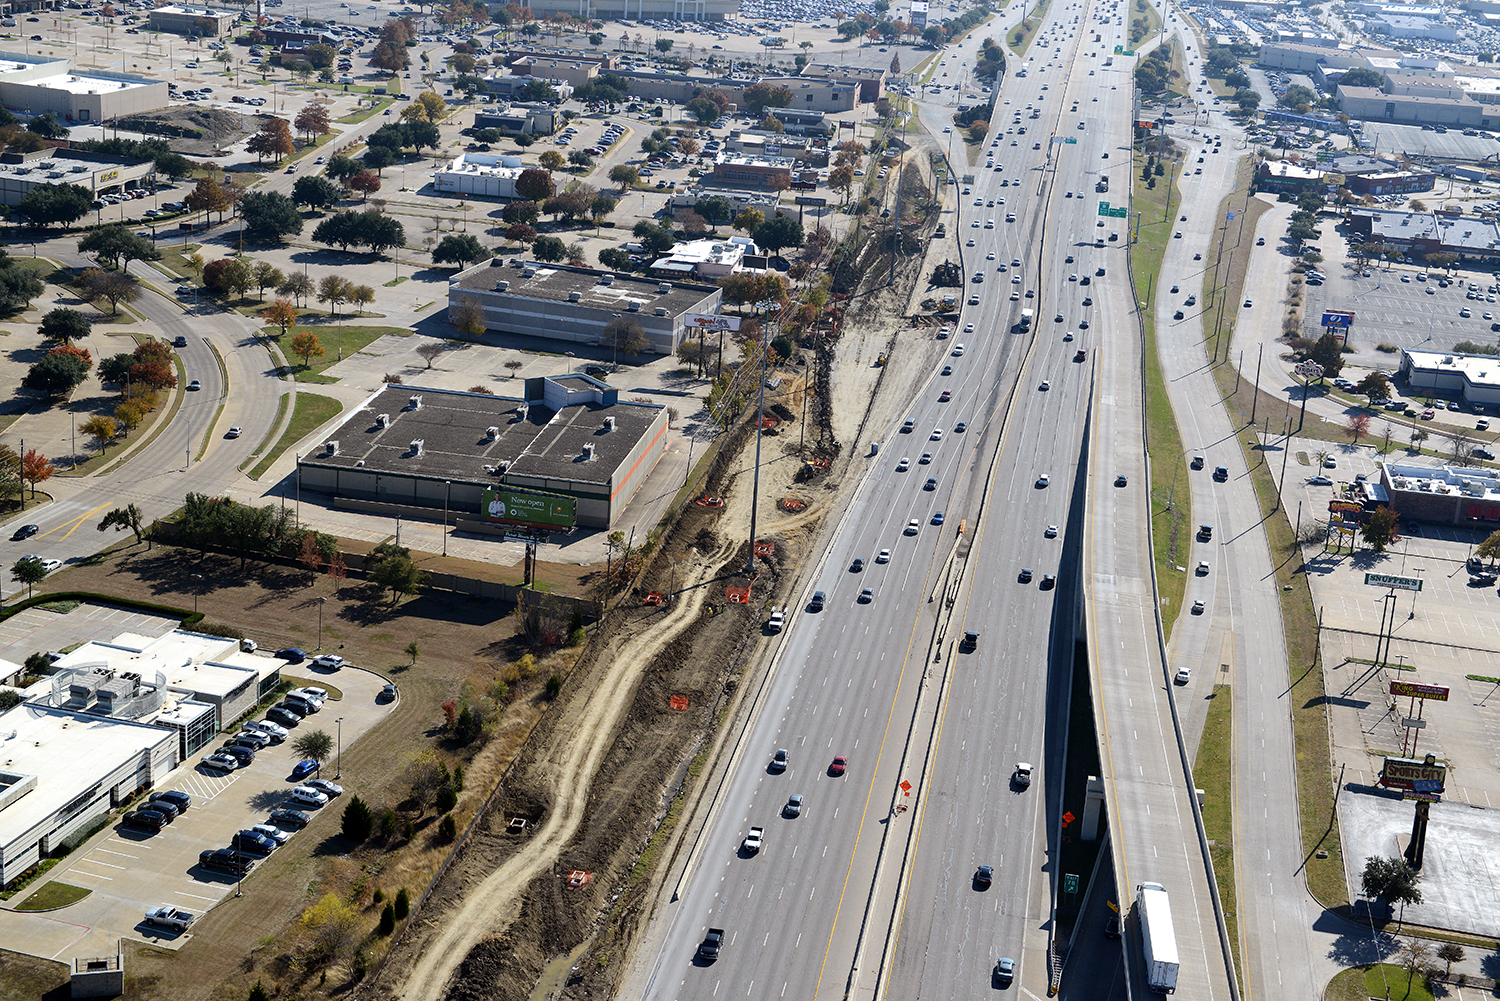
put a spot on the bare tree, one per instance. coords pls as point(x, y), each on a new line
point(1460, 445)
point(1416, 957)
point(430, 350)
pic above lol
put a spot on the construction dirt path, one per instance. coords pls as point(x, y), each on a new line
point(571, 765)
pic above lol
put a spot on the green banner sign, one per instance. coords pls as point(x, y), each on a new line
point(1070, 883)
point(513, 507)
point(1104, 208)
point(1119, 213)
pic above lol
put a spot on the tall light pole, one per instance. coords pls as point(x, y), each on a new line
point(321, 603)
point(447, 492)
point(338, 766)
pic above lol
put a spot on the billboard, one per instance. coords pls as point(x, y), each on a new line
point(1337, 318)
point(1417, 690)
point(1392, 580)
point(501, 506)
point(1416, 775)
point(712, 322)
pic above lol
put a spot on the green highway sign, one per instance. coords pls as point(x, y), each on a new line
point(1071, 141)
point(1119, 213)
point(1070, 883)
point(1104, 208)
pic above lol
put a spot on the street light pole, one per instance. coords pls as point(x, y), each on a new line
point(338, 766)
point(447, 491)
point(321, 602)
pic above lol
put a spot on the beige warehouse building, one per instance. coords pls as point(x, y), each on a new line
point(37, 85)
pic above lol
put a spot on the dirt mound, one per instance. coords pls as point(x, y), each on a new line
point(194, 131)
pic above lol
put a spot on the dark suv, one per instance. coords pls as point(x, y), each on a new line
point(226, 860)
point(181, 800)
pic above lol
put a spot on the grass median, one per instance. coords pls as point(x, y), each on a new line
point(1213, 772)
point(310, 412)
point(335, 343)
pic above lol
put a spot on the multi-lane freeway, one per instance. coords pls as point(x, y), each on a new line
point(904, 740)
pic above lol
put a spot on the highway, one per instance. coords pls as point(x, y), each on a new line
point(830, 903)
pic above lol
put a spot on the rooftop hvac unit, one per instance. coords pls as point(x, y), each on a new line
point(634, 306)
point(502, 286)
point(23, 170)
point(492, 433)
point(609, 423)
point(417, 445)
point(575, 296)
point(55, 174)
point(661, 311)
point(79, 168)
point(383, 420)
point(528, 272)
point(47, 164)
point(333, 447)
point(664, 287)
point(415, 403)
point(606, 279)
point(521, 411)
point(588, 450)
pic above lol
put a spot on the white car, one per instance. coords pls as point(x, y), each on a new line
point(47, 565)
point(265, 726)
point(958, 350)
point(331, 661)
point(913, 527)
point(903, 465)
point(884, 556)
point(1043, 480)
point(308, 796)
point(276, 834)
point(318, 695)
point(937, 434)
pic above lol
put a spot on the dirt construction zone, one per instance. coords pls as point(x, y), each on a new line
point(602, 779)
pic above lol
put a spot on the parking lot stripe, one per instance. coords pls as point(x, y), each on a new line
point(95, 861)
point(195, 896)
point(95, 875)
point(120, 854)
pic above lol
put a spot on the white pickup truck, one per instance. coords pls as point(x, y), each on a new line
point(753, 840)
point(777, 620)
point(169, 917)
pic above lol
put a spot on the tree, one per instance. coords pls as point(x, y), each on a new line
point(312, 121)
point(467, 317)
point(114, 286)
point(358, 822)
point(64, 324)
point(270, 217)
point(552, 160)
point(1374, 386)
point(1416, 957)
point(315, 192)
point(459, 248)
point(377, 158)
point(656, 239)
point(102, 429)
point(424, 775)
point(1379, 531)
point(366, 183)
point(361, 296)
point(56, 374)
point(274, 138)
point(283, 313)
point(549, 248)
point(29, 570)
point(535, 185)
point(399, 575)
point(298, 286)
point(625, 336)
point(779, 232)
point(334, 924)
point(1450, 953)
point(315, 744)
point(305, 345)
point(125, 517)
point(624, 175)
point(113, 243)
point(48, 204)
point(1358, 426)
point(341, 168)
point(521, 212)
point(47, 126)
point(36, 468)
point(337, 571)
point(429, 351)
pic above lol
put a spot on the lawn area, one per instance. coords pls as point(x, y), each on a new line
point(53, 895)
point(1213, 773)
point(1169, 516)
point(1319, 826)
point(26, 978)
point(1380, 976)
point(311, 411)
point(337, 343)
point(356, 117)
point(1018, 39)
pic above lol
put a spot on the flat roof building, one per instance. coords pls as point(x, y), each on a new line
point(1474, 379)
point(1391, 183)
point(486, 174)
point(1284, 175)
point(772, 173)
point(179, 19)
point(577, 305)
point(568, 436)
point(99, 172)
point(708, 260)
point(1445, 495)
point(40, 85)
point(637, 10)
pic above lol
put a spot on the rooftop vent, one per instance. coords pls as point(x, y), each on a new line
point(79, 168)
point(634, 306)
point(588, 450)
point(417, 444)
point(664, 287)
point(661, 311)
point(383, 420)
point(606, 279)
point(415, 403)
point(575, 296)
point(333, 447)
point(528, 272)
point(502, 286)
point(521, 411)
point(497, 262)
point(609, 423)
point(492, 433)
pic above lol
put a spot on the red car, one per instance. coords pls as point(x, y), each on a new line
point(947, 395)
point(838, 766)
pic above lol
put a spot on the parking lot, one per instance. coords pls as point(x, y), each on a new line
point(130, 870)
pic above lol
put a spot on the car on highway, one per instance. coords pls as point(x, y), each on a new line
point(780, 760)
point(903, 465)
point(194, 386)
point(1184, 675)
point(234, 432)
point(924, 458)
point(793, 806)
point(815, 604)
point(866, 595)
point(1049, 581)
point(1024, 576)
point(1198, 607)
point(931, 483)
point(1005, 967)
point(839, 765)
point(858, 565)
point(945, 396)
point(25, 532)
point(1202, 569)
point(1248, 303)
point(913, 526)
point(937, 435)
point(1121, 480)
point(947, 370)
point(1043, 480)
point(983, 877)
point(1050, 532)
point(1021, 777)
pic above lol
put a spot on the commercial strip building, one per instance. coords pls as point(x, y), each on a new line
point(183, 20)
point(571, 305)
point(1474, 379)
point(706, 260)
point(39, 85)
point(763, 173)
point(637, 10)
point(1284, 175)
point(112, 719)
point(1443, 495)
point(479, 457)
point(99, 172)
point(1400, 182)
point(1433, 232)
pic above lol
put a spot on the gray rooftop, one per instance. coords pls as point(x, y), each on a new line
point(555, 282)
point(456, 445)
